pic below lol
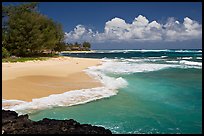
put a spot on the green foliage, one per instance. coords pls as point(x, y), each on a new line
point(78, 47)
point(60, 47)
point(86, 45)
point(24, 59)
point(27, 32)
point(5, 53)
point(11, 10)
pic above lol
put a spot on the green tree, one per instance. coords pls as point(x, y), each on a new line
point(28, 32)
point(60, 45)
point(86, 45)
point(5, 53)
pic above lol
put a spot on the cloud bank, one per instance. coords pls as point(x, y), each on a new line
point(141, 29)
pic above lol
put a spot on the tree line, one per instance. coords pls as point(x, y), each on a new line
point(26, 32)
point(85, 46)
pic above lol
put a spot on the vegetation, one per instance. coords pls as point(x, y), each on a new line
point(23, 59)
point(85, 46)
point(5, 53)
point(27, 33)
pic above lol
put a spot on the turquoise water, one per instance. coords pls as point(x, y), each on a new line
point(167, 100)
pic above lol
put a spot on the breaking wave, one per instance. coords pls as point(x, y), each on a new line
point(143, 50)
point(128, 66)
point(70, 98)
point(118, 67)
point(110, 84)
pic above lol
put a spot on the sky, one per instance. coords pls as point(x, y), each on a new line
point(129, 25)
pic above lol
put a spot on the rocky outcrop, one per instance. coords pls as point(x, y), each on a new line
point(14, 124)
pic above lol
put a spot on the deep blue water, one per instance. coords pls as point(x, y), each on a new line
point(136, 53)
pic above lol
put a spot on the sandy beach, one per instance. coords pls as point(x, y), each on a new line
point(36, 79)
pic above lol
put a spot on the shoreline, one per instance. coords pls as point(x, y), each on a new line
point(91, 51)
point(30, 80)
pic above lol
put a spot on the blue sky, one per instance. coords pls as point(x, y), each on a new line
point(117, 25)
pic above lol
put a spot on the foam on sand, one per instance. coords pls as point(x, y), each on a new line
point(110, 84)
point(70, 98)
point(66, 99)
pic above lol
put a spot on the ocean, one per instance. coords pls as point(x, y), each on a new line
point(144, 92)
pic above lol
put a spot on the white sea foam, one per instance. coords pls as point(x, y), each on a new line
point(141, 60)
point(75, 97)
point(124, 67)
point(66, 99)
point(187, 58)
point(186, 64)
point(172, 61)
point(164, 50)
point(110, 84)
point(128, 66)
point(188, 50)
point(154, 57)
point(7, 103)
point(132, 60)
point(198, 57)
point(191, 63)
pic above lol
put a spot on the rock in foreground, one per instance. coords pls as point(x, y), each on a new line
point(14, 124)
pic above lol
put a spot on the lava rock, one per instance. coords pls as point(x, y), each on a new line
point(14, 124)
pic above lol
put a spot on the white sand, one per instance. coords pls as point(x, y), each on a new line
point(36, 79)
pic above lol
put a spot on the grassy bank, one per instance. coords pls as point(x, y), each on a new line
point(36, 57)
point(24, 59)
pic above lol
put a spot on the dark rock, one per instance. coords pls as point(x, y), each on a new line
point(14, 124)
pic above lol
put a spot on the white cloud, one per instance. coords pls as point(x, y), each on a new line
point(141, 29)
point(155, 24)
point(189, 29)
point(140, 21)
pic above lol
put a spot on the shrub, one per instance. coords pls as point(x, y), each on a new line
point(5, 53)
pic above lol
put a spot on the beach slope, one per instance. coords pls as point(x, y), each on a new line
point(35, 79)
